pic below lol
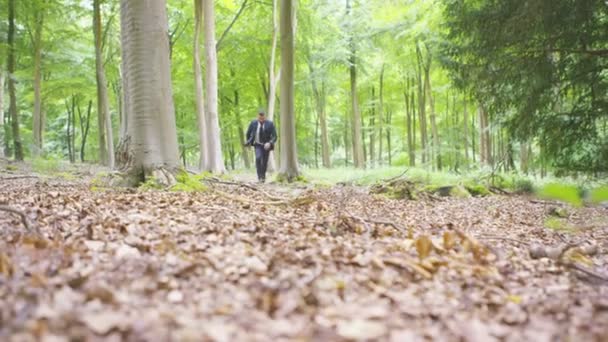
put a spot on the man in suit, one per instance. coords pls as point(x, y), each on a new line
point(262, 135)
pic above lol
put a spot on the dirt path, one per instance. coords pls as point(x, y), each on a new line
point(236, 264)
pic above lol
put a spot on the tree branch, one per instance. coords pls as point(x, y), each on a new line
point(225, 33)
point(17, 212)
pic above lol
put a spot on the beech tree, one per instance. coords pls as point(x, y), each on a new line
point(214, 158)
point(152, 146)
point(289, 153)
point(106, 140)
point(12, 92)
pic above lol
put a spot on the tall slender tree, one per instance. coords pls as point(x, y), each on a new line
point(289, 153)
point(153, 148)
point(106, 136)
point(273, 78)
point(12, 92)
point(215, 160)
point(358, 157)
point(198, 80)
point(36, 37)
point(2, 128)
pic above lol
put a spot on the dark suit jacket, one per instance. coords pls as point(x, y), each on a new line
point(267, 135)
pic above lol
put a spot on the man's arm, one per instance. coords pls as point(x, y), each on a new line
point(273, 135)
point(248, 139)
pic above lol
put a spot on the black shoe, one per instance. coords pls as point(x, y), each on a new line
point(262, 180)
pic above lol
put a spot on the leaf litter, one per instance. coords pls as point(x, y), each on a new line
point(241, 263)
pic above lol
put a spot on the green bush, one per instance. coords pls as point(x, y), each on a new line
point(523, 186)
point(46, 166)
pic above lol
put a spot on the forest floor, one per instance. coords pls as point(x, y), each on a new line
point(257, 263)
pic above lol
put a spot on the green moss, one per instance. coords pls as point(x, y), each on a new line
point(11, 168)
point(459, 191)
point(559, 225)
point(190, 183)
point(477, 190)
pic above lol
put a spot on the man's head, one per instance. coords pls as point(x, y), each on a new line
point(261, 115)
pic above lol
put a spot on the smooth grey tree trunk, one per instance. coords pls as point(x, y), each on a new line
point(2, 137)
point(358, 158)
point(273, 79)
point(320, 101)
point(12, 92)
point(198, 79)
point(103, 104)
point(152, 131)
point(380, 118)
point(465, 132)
point(421, 106)
point(215, 160)
point(289, 153)
point(37, 119)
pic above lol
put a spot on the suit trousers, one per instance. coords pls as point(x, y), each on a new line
point(261, 161)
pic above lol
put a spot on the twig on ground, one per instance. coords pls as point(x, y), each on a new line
point(18, 177)
point(493, 237)
point(247, 200)
point(396, 177)
point(21, 214)
point(248, 186)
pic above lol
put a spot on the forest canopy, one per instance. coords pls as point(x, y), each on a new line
point(445, 85)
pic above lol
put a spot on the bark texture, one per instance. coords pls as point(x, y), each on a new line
point(2, 136)
point(215, 160)
point(38, 119)
point(151, 129)
point(358, 158)
point(106, 137)
point(198, 80)
point(289, 154)
point(13, 110)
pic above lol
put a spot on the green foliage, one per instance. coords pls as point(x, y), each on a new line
point(46, 166)
point(523, 186)
point(566, 193)
point(599, 195)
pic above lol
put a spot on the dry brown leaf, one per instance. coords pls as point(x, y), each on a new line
point(6, 266)
point(424, 246)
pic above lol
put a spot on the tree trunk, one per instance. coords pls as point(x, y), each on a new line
point(215, 162)
point(38, 124)
point(289, 154)
point(84, 129)
point(2, 136)
point(239, 127)
point(465, 135)
point(198, 79)
point(389, 119)
point(373, 132)
point(421, 106)
point(13, 110)
point(409, 127)
point(152, 130)
point(380, 119)
point(273, 79)
point(356, 114)
point(320, 102)
point(106, 140)
point(485, 145)
point(436, 150)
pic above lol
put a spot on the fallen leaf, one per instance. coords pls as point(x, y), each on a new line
point(424, 246)
point(103, 322)
point(359, 329)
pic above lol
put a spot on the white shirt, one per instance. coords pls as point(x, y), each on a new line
point(257, 133)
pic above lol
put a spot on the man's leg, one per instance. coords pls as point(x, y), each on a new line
point(259, 161)
point(265, 164)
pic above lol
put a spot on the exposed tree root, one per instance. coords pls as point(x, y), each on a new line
point(19, 177)
point(247, 186)
point(21, 214)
